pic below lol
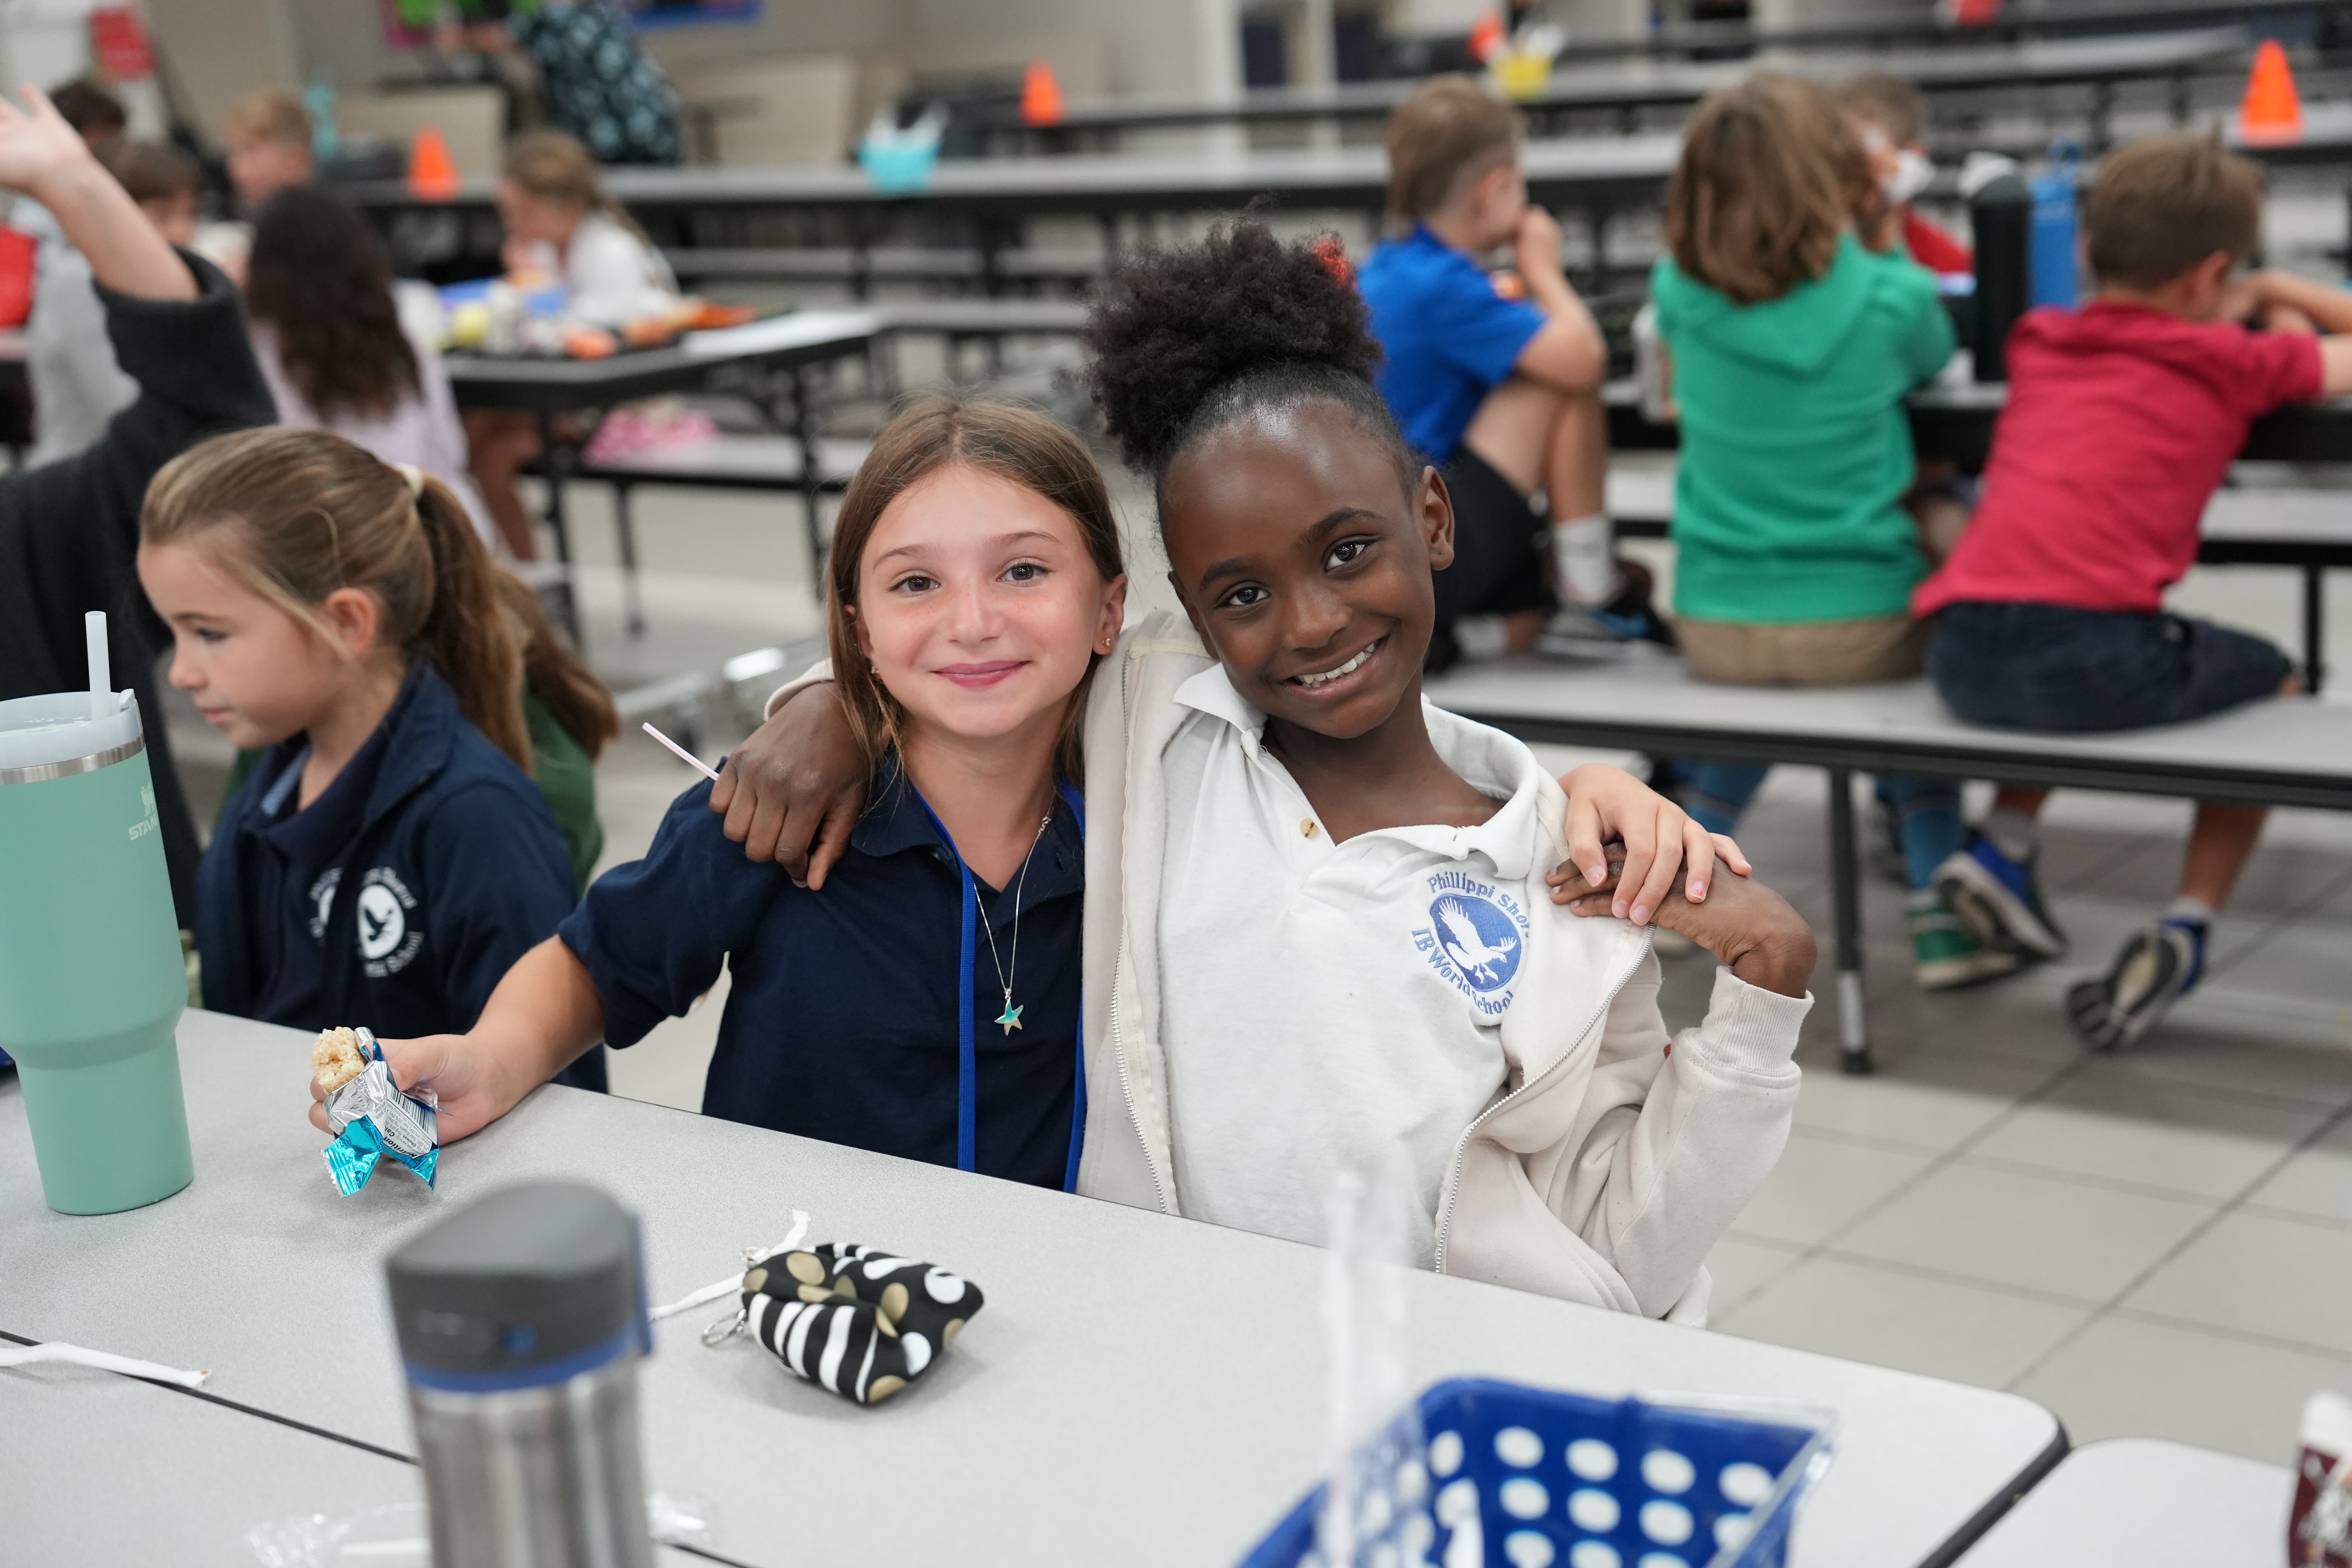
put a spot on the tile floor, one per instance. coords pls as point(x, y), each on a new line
point(2158, 1243)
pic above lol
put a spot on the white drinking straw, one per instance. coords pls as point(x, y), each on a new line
point(101, 692)
point(698, 765)
point(24, 1355)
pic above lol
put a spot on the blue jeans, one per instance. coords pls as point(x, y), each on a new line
point(1927, 821)
point(2052, 667)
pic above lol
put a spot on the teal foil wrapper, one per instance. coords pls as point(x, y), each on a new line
point(374, 1121)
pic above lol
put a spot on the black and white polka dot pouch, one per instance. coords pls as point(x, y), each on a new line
point(857, 1321)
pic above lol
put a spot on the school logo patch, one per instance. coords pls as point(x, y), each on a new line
point(1476, 937)
point(388, 932)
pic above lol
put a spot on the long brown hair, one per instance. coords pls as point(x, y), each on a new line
point(559, 168)
point(1771, 178)
point(1016, 444)
point(555, 673)
point(294, 515)
point(320, 278)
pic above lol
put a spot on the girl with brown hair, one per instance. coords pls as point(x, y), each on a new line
point(559, 222)
point(389, 856)
point(1793, 346)
point(925, 1003)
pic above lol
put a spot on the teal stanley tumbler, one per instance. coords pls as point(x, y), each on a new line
point(92, 980)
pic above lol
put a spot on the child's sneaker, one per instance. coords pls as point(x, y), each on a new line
point(1944, 951)
point(2001, 900)
point(2157, 967)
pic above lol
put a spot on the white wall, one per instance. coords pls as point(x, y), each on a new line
point(1184, 47)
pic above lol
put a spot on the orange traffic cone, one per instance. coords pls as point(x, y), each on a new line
point(2272, 111)
point(431, 173)
point(1040, 96)
point(1486, 37)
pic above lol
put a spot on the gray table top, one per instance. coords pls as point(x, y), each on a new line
point(1576, 86)
point(529, 381)
point(129, 1472)
point(2148, 1503)
point(1133, 1377)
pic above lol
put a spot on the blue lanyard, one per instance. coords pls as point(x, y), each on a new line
point(967, 1049)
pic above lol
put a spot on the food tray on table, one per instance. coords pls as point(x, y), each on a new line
point(1528, 1478)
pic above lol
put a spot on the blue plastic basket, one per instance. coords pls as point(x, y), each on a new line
point(1666, 1481)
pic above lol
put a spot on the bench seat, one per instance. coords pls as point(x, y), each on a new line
point(2294, 751)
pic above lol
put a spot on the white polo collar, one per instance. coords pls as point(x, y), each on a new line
point(1492, 763)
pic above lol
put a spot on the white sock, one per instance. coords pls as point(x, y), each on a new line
point(1584, 554)
point(2189, 911)
point(2012, 833)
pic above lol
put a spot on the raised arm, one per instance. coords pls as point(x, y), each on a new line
point(45, 159)
point(1568, 354)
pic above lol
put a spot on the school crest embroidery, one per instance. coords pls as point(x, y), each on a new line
point(388, 933)
point(1476, 937)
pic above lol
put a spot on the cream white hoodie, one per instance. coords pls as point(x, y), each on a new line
point(1603, 1173)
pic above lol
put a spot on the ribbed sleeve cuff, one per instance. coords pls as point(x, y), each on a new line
point(1748, 1028)
point(816, 674)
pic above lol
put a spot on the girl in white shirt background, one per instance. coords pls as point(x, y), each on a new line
point(1318, 933)
point(331, 344)
point(560, 223)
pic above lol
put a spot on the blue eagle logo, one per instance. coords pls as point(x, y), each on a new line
point(1479, 938)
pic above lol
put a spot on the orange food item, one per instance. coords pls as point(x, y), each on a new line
point(589, 343)
point(648, 332)
point(707, 315)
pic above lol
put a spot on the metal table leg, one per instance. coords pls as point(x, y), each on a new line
point(561, 458)
point(1845, 902)
point(624, 523)
point(2314, 625)
point(811, 479)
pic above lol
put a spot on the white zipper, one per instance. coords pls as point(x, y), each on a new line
point(1127, 1085)
point(1119, 960)
point(1461, 1147)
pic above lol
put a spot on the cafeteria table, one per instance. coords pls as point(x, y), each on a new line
point(1580, 86)
point(2151, 1504)
point(1148, 1383)
point(733, 358)
point(96, 1468)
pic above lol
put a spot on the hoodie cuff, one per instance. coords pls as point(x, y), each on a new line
point(816, 674)
point(1749, 1028)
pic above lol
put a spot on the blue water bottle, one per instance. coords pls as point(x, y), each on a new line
point(2055, 266)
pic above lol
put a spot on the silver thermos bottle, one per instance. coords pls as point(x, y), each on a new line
point(520, 1320)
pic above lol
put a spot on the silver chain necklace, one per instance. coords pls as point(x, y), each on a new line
point(1011, 1017)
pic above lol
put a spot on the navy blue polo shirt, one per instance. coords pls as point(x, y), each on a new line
point(295, 865)
point(1447, 338)
point(843, 1020)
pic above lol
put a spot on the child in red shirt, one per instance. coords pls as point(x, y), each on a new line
point(1889, 116)
point(2122, 418)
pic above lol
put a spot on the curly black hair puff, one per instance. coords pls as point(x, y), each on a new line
point(1184, 341)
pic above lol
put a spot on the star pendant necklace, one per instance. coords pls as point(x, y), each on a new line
point(1011, 1017)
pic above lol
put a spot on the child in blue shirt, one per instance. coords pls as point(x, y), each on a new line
point(389, 856)
point(1501, 392)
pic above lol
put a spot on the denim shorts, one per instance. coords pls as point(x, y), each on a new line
point(2054, 668)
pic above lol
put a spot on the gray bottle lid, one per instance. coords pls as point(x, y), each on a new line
point(528, 1285)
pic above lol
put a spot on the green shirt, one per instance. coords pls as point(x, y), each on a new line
point(1796, 451)
point(559, 765)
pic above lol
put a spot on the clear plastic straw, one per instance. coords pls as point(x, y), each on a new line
point(101, 670)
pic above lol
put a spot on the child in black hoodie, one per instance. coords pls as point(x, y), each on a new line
point(69, 529)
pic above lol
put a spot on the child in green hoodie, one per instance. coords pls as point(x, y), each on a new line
point(1792, 346)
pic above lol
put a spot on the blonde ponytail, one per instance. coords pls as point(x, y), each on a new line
point(294, 515)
